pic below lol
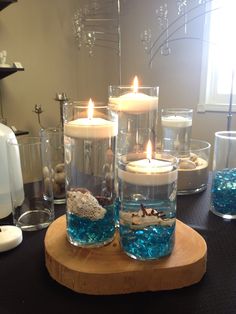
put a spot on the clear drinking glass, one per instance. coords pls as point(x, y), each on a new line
point(223, 191)
point(176, 130)
point(89, 135)
point(35, 210)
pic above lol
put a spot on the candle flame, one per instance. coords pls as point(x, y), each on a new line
point(90, 109)
point(149, 150)
point(135, 84)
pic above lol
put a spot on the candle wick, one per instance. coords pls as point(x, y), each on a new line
point(149, 160)
point(0, 230)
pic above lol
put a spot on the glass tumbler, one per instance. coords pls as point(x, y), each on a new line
point(223, 191)
point(35, 210)
point(89, 136)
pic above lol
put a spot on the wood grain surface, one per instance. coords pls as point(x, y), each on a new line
point(108, 270)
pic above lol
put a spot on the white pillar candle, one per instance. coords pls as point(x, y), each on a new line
point(10, 237)
point(90, 127)
point(134, 102)
point(176, 121)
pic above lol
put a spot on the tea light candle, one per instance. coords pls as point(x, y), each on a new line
point(135, 102)
point(10, 237)
point(90, 127)
point(148, 171)
point(176, 121)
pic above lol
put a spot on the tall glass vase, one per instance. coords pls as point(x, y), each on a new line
point(89, 136)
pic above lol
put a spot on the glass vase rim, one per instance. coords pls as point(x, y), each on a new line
point(193, 140)
point(25, 141)
point(178, 109)
point(226, 135)
point(83, 104)
point(52, 129)
point(131, 87)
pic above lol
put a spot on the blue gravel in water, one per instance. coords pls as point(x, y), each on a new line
point(85, 232)
point(224, 191)
point(152, 242)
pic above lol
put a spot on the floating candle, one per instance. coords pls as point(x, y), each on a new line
point(176, 121)
point(134, 102)
point(10, 237)
point(149, 165)
point(90, 127)
point(148, 171)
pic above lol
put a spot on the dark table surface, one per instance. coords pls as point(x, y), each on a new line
point(26, 287)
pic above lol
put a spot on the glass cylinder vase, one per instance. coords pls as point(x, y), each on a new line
point(137, 111)
point(176, 130)
point(89, 139)
point(54, 137)
point(223, 191)
point(147, 189)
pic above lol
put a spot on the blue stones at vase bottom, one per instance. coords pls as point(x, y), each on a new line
point(152, 242)
point(223, 193)
point(85, 232)
point(147, 230)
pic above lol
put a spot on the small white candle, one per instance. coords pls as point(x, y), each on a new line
point(10, 237)
point(148, 171)
point(134, 102)
point(90, 127)
point(176, 121)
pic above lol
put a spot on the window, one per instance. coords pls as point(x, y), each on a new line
point(219, 56)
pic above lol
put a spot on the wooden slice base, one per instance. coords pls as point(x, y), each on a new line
point(108, 270)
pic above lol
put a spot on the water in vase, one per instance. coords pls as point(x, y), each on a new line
point(90, 191)
point(176, 136)
point(147, 224)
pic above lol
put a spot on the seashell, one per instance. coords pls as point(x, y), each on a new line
point(193, 157)
point(187, 164)
point(60, 168)
point(60, 177)
point(45, 172)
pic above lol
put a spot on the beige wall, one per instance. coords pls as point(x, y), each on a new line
point(38, 34)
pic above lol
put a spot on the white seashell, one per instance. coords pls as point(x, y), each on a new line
point(193, 157)
point(187, 164)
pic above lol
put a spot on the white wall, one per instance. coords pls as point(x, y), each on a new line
point(38, 33)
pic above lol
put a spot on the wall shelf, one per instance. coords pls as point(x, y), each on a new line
point(8, 71)
point(5, 3)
